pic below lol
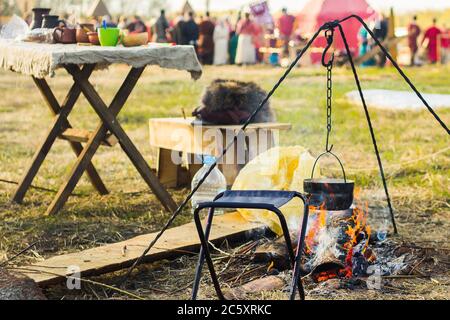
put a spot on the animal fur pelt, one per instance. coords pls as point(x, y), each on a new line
point(232, 102)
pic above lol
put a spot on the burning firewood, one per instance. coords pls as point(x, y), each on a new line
point(337, 244)
point(274, 252)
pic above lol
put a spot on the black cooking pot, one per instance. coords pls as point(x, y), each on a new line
point(50, 21)
point(38, 14)
point(329, 194)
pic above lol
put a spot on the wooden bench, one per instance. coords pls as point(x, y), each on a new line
point(184, 141)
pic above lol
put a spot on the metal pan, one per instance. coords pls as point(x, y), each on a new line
point(330, 194)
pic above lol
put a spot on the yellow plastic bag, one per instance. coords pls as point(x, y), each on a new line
point(280, 168)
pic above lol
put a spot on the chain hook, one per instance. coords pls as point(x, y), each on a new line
point(329, 35)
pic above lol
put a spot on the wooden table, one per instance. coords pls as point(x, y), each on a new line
point(40, 60)
point(189, 139)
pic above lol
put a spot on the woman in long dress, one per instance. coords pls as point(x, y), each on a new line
point(431, 35)
point(221, 37)
point(246, 52)
point(206, 40)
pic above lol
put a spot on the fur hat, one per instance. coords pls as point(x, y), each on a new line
point(232, 102)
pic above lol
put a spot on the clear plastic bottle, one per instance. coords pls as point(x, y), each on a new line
point(214, 184)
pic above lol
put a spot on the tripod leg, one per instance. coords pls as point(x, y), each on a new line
point(372, 133)
point(296, 277)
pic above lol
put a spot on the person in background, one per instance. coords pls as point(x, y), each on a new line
point(175, 29)
point(258, 41)
point(445, 45)
point(234, 39)
point(381, 32)
point(206, 42)
point(229, 25)
point(108, 21)
point(364, 46)
point(189, 31)
point(220, 37)
point(431, 35)
point(137, 25)
point(413, 35)
point(123, 22)
point(160, 28)
point(245, 53)
point(285, 25)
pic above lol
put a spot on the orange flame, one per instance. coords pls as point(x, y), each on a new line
point(318, 224)
point(357, 230)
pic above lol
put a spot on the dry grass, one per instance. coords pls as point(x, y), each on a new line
point(419, 188)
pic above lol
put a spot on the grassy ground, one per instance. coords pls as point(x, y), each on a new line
point(420, 188)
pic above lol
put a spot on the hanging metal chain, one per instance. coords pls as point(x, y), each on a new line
point(328, 148)
point(329, 35)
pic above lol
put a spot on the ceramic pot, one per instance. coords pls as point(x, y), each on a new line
point(93, 38)
point(38, 14)
point(50, 21)
point(82, 32)
point(65, 35)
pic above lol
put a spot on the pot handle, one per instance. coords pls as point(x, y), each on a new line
point(57, 34)
point(336, 157)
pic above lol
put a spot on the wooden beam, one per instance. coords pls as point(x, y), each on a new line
point(83, 136)
point(388, 44)
point(269, 283)
point(112, 257)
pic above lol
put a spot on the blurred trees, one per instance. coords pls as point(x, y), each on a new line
point(7, 7)
point(146, 8)
point(116, 7)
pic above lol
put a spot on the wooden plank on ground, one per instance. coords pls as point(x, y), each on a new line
point(112, 257)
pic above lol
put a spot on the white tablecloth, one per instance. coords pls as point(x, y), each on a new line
point(41, 60)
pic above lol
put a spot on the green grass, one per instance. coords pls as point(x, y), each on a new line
point(420, 189)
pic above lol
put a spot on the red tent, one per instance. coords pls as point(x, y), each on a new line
point(316, 12)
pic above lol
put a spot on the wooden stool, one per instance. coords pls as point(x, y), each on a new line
point(182, 141)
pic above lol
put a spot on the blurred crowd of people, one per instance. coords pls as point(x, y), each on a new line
point(435, 43)
point(217, 41)
point(225, 40)
point(430, 45)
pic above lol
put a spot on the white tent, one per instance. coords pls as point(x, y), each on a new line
point(98, 9)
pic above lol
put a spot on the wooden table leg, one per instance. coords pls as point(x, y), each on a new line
point(108, 117)
point(59, 125)
point(94, 142)
point(77, 147)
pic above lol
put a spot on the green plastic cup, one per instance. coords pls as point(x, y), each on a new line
point(109, 37)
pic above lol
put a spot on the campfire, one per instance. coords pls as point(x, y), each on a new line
point(338, 243)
